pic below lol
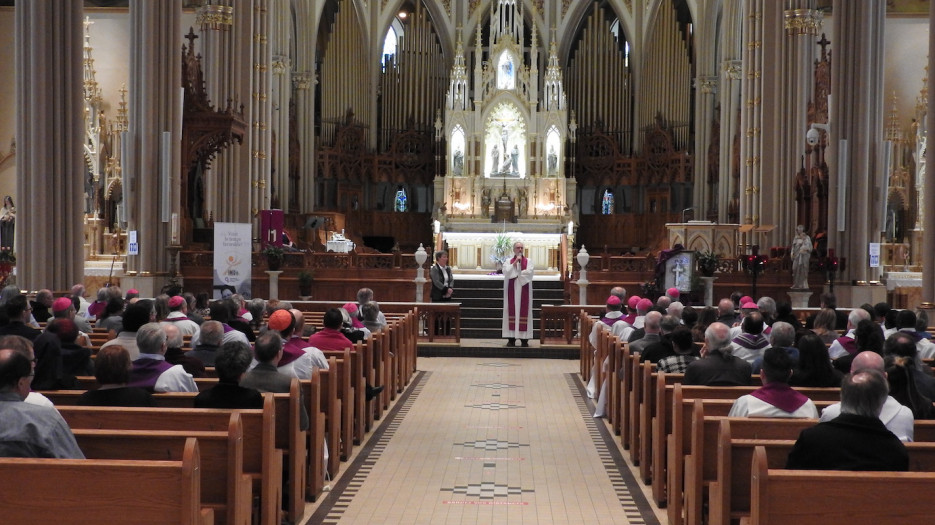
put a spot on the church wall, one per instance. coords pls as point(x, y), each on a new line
point(906, 51)
point(8, 104)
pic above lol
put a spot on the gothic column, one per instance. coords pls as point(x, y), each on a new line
point(155, 107)
point(928, 243)
point(793, 79)
point(707, 87)
point(751, 117)
point(304, 85)
point(857, 116)
point(49, 158)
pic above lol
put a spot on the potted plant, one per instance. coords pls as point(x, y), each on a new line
point(274, 256)
point(305, 283)
point(707, 263)
point(502, 247)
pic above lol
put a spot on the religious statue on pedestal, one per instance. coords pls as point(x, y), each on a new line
point(801, 253)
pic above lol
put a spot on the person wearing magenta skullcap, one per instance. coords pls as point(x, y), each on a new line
point(630, 317)
point(178, 309)
point(611, 320)
point(64, 308)
point(132, 294)
point(673, 294)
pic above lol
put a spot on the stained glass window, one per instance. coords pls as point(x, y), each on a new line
point(607, 203)
point(402, 202)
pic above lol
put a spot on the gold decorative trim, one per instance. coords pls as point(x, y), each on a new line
point(803, 22)
point(215, 17)
point(733, 69)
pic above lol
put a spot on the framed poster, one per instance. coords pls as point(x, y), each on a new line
point(679, 270)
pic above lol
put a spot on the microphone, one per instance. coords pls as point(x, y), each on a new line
point(685, 210)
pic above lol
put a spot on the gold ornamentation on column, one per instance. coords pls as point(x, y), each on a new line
point(260, 67)
point(259, 96)
point(301, 81)
point(752, 132)
point(733, 69)
point(755, 44)
point(215, 17)
point(281, 64)
point(259, 125)
point(754, 102)
point(254, 211)
point(752, 190)
point(258, 154)
point(803, 22)
point(260, 38)
point(753, 74)
point(708, 85)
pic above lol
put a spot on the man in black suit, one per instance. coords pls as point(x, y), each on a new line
point(856, 439)
point(231, 364)
point(717, 366)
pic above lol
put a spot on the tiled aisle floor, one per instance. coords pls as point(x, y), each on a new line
point(486, 441)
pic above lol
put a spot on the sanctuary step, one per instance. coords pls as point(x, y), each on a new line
point(482, 304)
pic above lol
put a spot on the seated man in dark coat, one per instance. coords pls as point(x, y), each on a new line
point(856, 439)
point(266, 376)
point(717, 366)
point(231, 364)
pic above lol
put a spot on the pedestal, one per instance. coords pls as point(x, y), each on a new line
point(799, 298)
point(420, 287)
point(273, 283)
point(708, 290)
point(582, 289)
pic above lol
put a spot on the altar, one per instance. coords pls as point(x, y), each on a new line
point(475, 250)
point(505, 153)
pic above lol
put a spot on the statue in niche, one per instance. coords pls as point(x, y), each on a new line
point(495, 159)
point(485, 202)
point(514, 160)
point(801, 253)
point(552, 162)
point(523, 202)
point(458, 163)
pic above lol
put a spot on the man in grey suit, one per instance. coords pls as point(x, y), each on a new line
point(265, 376)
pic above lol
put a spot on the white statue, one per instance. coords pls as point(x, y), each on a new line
point(801, 253)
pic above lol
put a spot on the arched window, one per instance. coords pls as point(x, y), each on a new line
point(607, 203)
point(391, 43)
point(402, 202)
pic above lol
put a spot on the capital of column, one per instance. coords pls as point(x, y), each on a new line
point(733, 69)
point(301, 80)
point(799, 22)
point(281, 64)
point(708, 84)
point(215, 17)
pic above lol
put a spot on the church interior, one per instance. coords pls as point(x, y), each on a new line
point(647, 144)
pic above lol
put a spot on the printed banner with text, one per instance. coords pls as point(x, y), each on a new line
point(232, 251)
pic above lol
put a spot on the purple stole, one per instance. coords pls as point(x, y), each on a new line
point(751, 342)
point(849, 344)
point(292, 350)
point(511, 301)
point(146, 372)
point(227, 328)
point(781, 396)
point(629, 318)
point(175, 319)
point(611, 322)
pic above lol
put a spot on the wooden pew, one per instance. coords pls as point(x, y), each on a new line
point(344, 375)
point(730, 494)
point(261, 460)
point(815, 497)
point(681, 439)
point(332, 382)
point(98, 491)
point(317, 421)
point(224, 486)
